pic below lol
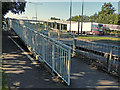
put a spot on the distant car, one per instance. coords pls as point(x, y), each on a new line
point(97, 29)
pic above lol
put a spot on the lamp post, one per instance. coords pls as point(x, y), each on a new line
point(36, 7)
point(78, 23)
point(36, 10)
point(82, 16)
point(70, 13)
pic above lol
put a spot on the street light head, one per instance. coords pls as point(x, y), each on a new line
point(36, 3)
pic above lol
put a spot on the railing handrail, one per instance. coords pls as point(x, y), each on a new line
point(68, 47)
point(52, 39)
point(102, 44)
point(47, 27)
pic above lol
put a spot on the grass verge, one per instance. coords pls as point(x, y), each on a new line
point(103, 39)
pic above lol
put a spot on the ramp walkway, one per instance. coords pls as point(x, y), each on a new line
point(22, 73)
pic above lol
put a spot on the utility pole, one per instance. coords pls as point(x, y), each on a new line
point(78, 24)
point(82, 16)
point(70, 13)
point(36, 10)
point(36, 14)
point(119, 7)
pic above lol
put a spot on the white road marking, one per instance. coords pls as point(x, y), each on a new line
point(33, 61)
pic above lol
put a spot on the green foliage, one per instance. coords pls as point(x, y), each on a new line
point(107, 8)
point(14, 7)
point(75, 18)
point(54, 18)
point(107, 15)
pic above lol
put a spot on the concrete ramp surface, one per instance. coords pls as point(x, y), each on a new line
point(22, 73)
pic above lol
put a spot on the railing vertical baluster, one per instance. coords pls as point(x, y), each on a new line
point(69, 65)
point(60, 60)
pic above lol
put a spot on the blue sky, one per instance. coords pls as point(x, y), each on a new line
point(60, 9)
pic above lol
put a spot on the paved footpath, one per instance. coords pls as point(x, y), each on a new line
point(21, 73)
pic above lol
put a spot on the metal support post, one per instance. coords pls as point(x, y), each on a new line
point(52, 25)
point(45, 26)
point(53, 58)
point(43, 48)
point(10, 21)
point(74, 47)
point(60, 26)
point(69, 65)
point(49, 33)
point(58, 34)
point(110, 58)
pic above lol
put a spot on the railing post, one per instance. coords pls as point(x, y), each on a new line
point(110, 58)
point(74, 48)
point(118, 60)
point(10, 23)
point(69, 65)
point(53, 56)
point(48, 32)
point(43, 49)
point(58, 34)
point(45, 26)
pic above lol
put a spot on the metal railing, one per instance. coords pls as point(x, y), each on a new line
point(57, 34)
point(103, 52)
point(109, 54)
point(99, 47)
point(54, 53)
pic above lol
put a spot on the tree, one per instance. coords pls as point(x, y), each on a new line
point(119, 19)
point(54, 18)
point(15, 7)
point(107, 8)
point(75, 18)
point(93, 17)
point(107, 15)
